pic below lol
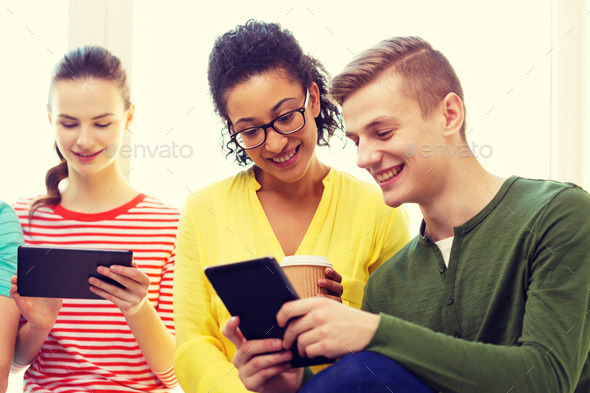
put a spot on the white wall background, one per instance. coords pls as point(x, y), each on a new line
point(33, 35)
point(518, 62)
point(490, 63)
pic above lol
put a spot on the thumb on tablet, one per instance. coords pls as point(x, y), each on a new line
point(13, 287)
point(232, 332)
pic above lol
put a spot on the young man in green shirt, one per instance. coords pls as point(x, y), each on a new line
point(493, 295)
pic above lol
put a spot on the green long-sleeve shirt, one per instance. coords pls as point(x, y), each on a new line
point(511, 313)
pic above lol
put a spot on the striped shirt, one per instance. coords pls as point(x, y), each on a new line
point(90, 347)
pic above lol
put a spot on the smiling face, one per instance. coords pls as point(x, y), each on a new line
point(260, 100)
point(388, 129)
point(89, 119)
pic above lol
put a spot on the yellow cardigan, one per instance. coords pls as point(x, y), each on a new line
point(225, 222)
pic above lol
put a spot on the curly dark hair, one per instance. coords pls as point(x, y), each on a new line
point(258, 47)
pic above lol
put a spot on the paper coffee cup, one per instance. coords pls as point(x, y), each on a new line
point(304, 271)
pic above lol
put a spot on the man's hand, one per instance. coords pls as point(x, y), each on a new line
point(324, 327)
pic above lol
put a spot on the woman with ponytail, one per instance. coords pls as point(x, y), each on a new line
point(53, 177)
point(126, 341)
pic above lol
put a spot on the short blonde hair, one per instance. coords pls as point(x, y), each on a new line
point(426, 74)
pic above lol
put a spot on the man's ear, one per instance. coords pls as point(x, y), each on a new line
point(314, 99)
point(454, 114)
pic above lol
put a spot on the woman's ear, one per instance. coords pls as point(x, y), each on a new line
point(454, 114)
point(314, 99)
point(130, 115)
point(49, 114)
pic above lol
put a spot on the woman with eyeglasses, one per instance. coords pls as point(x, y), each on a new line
point(274, 100)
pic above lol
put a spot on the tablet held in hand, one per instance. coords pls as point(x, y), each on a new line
point(61, 272)
point(255, 290)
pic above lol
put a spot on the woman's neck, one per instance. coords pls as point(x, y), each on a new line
point(98, 192)
point(310, 184)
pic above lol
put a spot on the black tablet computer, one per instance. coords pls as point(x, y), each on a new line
point(255, 290)
point(63, 272)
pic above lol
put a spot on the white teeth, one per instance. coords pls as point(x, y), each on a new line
point(86, 155)
point(284, 158)
point(383, 177)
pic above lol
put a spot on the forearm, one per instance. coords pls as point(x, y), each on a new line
point(29, 341)
point(454, 365)
point(9, 317)
point(201, 361)
point(6, 360)
point(156, 342)
point(201, 366)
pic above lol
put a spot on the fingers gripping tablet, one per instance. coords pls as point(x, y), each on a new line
point(64, 272)
point(255, 290)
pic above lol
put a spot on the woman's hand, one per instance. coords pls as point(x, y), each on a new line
point(40, 312)
point(332, 283)
point(263, 364)
point(129, 299)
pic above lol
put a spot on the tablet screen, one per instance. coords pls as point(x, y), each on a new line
point(63, 272)
point(255, 291)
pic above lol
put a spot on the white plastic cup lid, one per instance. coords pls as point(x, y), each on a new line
point(310, 260)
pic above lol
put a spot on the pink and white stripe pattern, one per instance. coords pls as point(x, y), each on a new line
point(91, 348)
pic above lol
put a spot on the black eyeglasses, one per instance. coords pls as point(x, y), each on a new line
point(286, 124)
